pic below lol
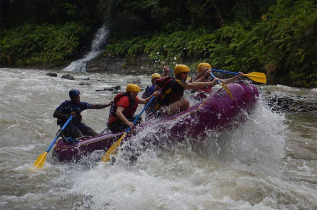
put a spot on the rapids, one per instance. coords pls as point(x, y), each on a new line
point(268, 162)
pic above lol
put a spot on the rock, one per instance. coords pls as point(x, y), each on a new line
point(129, 66)
point(114, 88)
point(68, 76)
point(292, 104)
point(134, 81)
point(51, 74)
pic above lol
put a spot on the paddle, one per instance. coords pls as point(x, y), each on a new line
point(255, 76)
point(224, 86)
point(114, 146)
point(38, 164)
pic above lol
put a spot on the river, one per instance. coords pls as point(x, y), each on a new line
point(268, 162)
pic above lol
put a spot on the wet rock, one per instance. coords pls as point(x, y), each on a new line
point(134, 81)
point(292, 104)
point(68, 76)
point(51, 74)
point(140, 64)
point(114, 88)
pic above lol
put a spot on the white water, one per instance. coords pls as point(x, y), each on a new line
point(96, 49)
point(268, 162)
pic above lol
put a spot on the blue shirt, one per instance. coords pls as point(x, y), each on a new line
point(67, 107)
point(147, 93)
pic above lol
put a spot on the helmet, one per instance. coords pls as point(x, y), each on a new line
point(207, 65)
point(180, 68)
point(132, 88)
point(155, 75)
point(73, 93)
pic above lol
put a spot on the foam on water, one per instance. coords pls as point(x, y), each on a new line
point(221, 175)
point(237, 169)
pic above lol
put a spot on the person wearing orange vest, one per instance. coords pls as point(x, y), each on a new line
point(122, 111)
point(171, 98)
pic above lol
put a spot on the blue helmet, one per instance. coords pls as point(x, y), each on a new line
point(73, 93)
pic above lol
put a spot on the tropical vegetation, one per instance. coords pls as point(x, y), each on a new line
point(277, 37)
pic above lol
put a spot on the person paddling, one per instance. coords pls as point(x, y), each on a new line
point(125, 104)
point(151, 89)
point(204, 70)
point(76, 128)
point(171, 100)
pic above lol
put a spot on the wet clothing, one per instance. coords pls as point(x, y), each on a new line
point(172, 90)
point(79, 130)
point(119, 126)
point(147, 93)
point(75, 128)
point(202, 93)
point(67, 107)
point(129, 105)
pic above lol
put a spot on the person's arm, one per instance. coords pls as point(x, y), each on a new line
point(200, 85)
point(146, 100)
point(101, 106)
point(199, 77)
point(122, 117)
point(230, 80)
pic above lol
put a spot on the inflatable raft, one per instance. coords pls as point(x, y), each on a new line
point(215, 113)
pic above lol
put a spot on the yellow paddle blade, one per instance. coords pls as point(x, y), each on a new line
point(256, 76)
point(224, 86)
point(39, 162)
point(112, 149)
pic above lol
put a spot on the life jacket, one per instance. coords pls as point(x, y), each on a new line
point(171, 91)
point(128, 112)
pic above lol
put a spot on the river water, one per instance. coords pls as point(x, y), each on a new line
point(268, 162)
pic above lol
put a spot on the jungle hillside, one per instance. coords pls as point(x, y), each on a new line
point(277, 37)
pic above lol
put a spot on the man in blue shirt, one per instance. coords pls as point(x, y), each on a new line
point(74, 107)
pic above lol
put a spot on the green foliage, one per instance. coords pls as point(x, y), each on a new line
point(275, 37)
point(282, 44)
point(46, 44)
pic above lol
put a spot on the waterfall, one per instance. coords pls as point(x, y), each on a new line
point(96, 49)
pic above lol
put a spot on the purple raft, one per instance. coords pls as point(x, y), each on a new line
point(215, 113)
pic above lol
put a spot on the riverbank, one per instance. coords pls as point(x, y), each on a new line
point(137, 65)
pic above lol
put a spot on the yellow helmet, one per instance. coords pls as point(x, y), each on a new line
point(206, 65)
point(132, 88)
point(155, 75)
point(180, 68)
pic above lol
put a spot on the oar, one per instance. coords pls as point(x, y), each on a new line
point(224, 86)
point(255, 76)
point(114, 146)
point(41, 158)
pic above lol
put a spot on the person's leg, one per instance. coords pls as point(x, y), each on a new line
point(73, 131)
point(178, 106)
point(87, 131)
point(117, 126)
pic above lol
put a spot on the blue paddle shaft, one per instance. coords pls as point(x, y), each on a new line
point(229, 72)
point(141, 113)
point(214, 77)
point(59, 133)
